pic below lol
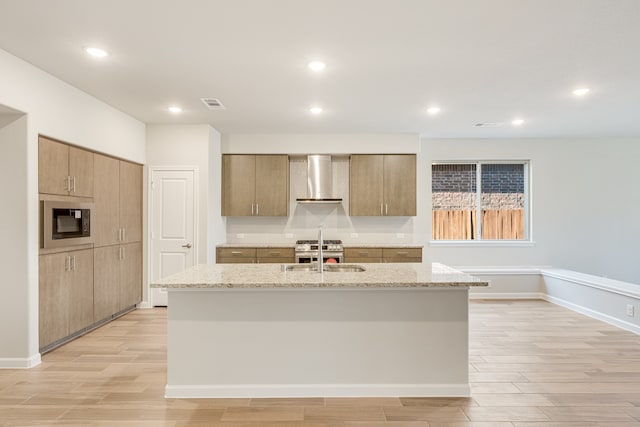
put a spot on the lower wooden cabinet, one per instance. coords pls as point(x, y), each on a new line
point(65, 294)
point(251, 255)
point(117, 282)
point(372, 255)
point(365, 255)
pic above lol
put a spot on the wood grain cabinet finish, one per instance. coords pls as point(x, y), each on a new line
point(275, 255)
point(391, 255)
point(118, 279)
point(353, 255)
point(255, 185)
point(64, 169)
point(65, 294)
point(401, 255)
point(118, 202)
point(250, 255)
point(382, 185)
point(235, 255)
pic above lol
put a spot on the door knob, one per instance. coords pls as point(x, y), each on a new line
point(188, 246)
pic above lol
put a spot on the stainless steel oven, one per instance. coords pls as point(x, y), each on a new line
point(66, 223)
point(307, 251)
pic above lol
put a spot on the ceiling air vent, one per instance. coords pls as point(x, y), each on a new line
point(487, 125)
point(213, 103)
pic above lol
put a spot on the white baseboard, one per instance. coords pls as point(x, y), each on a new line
point(20, 362)
point(506, 295)
point(318, 390)
point(144, 304)
point(593, 313)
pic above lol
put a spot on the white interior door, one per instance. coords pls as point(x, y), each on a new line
point(173, 226)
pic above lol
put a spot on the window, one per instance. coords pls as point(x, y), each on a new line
point(480, 201)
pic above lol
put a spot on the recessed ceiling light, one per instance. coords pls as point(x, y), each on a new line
point(315, 110)
point(174, 109)
point(517, 122)
point(581, 92)
point(97, 52)
point(317, 65)
point(433, 110)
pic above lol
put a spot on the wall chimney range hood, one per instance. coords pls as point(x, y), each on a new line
point(319, 177)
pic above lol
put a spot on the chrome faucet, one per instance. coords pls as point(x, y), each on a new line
point(320, 257)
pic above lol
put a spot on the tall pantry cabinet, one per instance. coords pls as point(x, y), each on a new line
point(118, 236)
point(81, 286)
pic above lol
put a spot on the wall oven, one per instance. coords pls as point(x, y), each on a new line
point(66, 223)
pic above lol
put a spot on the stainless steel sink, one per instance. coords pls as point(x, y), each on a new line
point(299, 267)
point(329, 268)
point(337, 268)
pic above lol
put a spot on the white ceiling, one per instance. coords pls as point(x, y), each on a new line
point(388, 60)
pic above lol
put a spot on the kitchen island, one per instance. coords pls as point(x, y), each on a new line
point(258, 331)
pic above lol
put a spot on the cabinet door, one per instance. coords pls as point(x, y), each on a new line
point(130, 275)
point(272, 185)
point(400, 185)
point(53, 167)
point(366, 185)
point(238, 184)
point(106, 281)
point(131, 201)
point(53, 298)
point(80, 290)
point(105, 223)
point(81, 172)
point(367, 255)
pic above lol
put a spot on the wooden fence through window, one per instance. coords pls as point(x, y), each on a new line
point(500, 224)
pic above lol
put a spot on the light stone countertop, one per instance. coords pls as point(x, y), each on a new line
point(256, 276)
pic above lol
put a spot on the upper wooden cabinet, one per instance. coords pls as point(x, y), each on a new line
point(118, 201)
point(255, 185)
point(64, 169)
point(382, 185)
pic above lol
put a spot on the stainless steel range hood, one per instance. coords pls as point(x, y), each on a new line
point(319, 176)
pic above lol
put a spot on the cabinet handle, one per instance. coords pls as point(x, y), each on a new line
point(74, 184)
point(363, 253)
point(74, 263)
point(124, 234)
point(257, 209)
point(67, 183)
point(386, 209)
point(402, 253)
point(236, 252)
point(274, 253)
point(251, 208)
point(67, 263)
point(380, 208)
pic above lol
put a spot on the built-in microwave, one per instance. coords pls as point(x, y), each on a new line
point(66, 223)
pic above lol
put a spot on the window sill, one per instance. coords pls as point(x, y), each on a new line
point(483, 243)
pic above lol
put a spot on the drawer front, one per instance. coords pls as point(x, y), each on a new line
point(400, 260)
point(363, 253)
point(277, 260)
point(389, 253)
point(236, 252)
point(357, 260)
point(276, 253)
point(225, 260)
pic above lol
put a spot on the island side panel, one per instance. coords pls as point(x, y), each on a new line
point(294, 343)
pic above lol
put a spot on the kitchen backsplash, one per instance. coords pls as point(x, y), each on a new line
point(304, 219)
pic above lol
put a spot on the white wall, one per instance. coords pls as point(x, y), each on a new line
point(585, 204)
point(193, 145)
point(58, 110)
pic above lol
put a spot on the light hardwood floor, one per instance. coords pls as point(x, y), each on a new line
point(533, 364)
